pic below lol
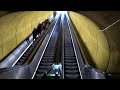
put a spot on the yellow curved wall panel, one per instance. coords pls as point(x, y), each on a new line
point(94, 40)
point(15, 27)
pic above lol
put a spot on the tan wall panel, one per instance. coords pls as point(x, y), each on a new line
point(94, 40)
point(15, 27)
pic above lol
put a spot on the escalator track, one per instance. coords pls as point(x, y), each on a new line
point(49, 55)
point(71, 69)
point(25, 57)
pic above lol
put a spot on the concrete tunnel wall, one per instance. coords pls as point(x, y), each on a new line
point(15, 27)
point(97, 43)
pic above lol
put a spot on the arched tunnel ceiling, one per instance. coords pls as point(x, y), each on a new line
point(102, 18)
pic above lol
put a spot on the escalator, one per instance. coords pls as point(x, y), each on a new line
point(71, 69)
point(49, 55)
point(23, 59)
point(58, 57)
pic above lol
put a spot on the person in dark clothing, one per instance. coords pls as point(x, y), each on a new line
point(54, 14)
point(43, 24)
point(27, 39)
point(34, 34)
point(37, 30)
point(48, 23)
point(40, 29)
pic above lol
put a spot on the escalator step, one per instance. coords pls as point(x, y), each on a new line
point(46, 64)
point(70, 58)
point(51, 52)
point(28, 51)
point(69, 55)
point(44, 67)
point(39, 76)
point(72, 76)
point(26, 55)
point(48, 55)
point(68, 50)
point(31, 47)
point(48, 50)
point(70, 61)
point(48, 58)
point(24, 58)
point(41, 71)
point(18, 63)
point(71, 71)
point(70, 64)
point(70, 67)
point(21, 60)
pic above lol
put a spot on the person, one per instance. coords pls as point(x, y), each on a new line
point(54, 14)
point(27, 39)
point(39, 29)
point(34, 34)
point(47, 23)
point(36, 31)
point(43, 25)
point(57, 69)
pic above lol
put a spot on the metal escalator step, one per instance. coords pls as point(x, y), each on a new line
point(26, 55)
point(70, 61)
point(18, 63)
point(71, 67)
point(68, 49)
point(48, 58)
point(48, 50)
point(46, 64)
point(70, 58)
point(23, 57)
point(49, 55)
point(31, 47)
point(69, 52)
point(21, 60)
point(48, 61)
point(71, 71)
point(51, 44)
point(38, 76)
point(68, 42)
point(69, 55)
point(44, 67)
point(70, 64)
point(41, 71)
point(29, 51)
point(68, 45)
point(72, 76)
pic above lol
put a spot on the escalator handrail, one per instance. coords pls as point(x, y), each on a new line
point(98, 71)
point(11, 68)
